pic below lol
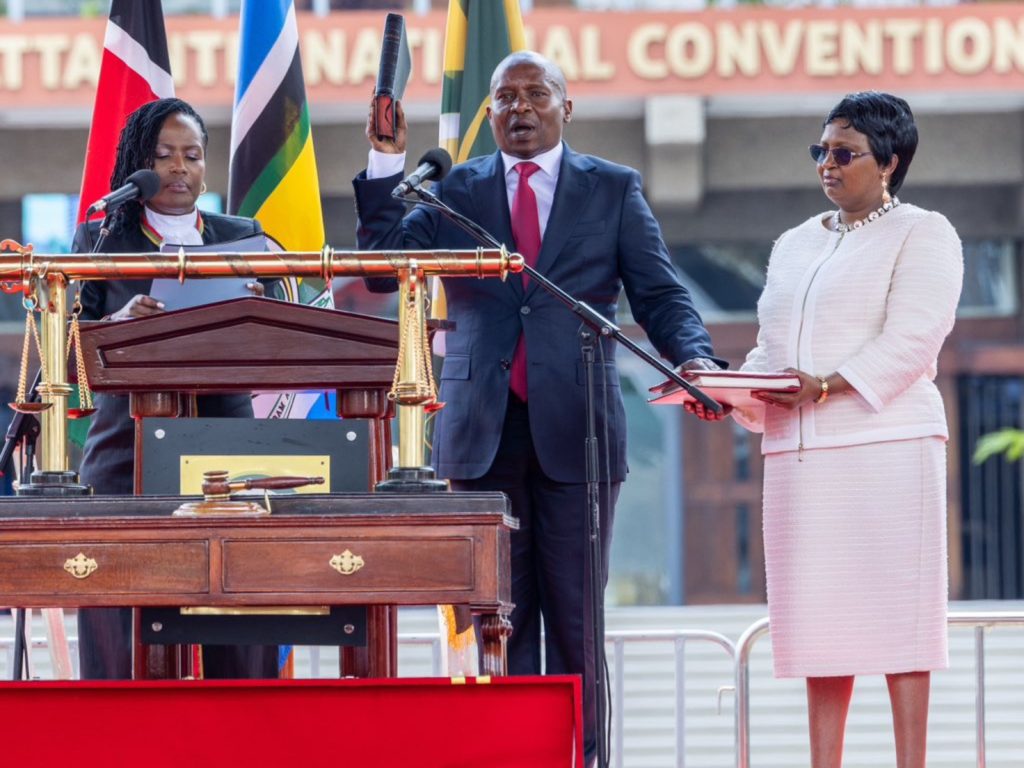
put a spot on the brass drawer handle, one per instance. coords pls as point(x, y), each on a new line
point(346, 563)
point(80, 566)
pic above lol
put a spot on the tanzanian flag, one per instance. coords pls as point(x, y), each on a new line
point(478, 35)
point(273, 176)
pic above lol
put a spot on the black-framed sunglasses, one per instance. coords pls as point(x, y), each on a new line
point(841, 155)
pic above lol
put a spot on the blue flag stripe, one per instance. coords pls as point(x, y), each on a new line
point(259, 32)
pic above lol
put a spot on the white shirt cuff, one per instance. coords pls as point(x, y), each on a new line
point(380, 165)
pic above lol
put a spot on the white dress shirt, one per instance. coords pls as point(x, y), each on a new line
point(543, 182)
point(177, 229)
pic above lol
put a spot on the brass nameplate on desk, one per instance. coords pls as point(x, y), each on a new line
point(256, 610)
point(80, 566)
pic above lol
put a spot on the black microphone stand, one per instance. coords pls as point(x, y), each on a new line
point(108, 219)
point(23, 429)
point(596, 325)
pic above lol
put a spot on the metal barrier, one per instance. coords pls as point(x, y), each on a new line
point(35, 644)
point(678, 638)
point(979, 620)
point(739, 652)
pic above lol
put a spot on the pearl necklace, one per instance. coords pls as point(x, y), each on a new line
point(839, 226)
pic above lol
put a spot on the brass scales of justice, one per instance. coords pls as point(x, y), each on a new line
point(44, 279)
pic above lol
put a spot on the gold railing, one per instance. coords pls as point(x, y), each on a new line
point(43, 280)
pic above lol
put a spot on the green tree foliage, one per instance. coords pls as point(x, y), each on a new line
point(1008, 442)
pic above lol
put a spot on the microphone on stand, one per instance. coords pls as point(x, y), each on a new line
point(384, 94)
point(141, 185)
point(434, 165)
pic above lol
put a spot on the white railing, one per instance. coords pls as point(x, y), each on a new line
point(679, 638)
point(739, 653)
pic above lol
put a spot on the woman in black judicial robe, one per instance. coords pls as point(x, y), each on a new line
point(169, 137)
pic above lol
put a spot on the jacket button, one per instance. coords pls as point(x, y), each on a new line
point(506, 364)
point(524, 310)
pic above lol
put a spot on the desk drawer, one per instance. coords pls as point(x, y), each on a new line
point(112, 568)
point(408, 565)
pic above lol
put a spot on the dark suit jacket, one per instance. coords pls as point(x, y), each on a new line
point(601, 237)
point(109, 447)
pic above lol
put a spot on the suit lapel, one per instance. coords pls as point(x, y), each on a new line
point(575, 186)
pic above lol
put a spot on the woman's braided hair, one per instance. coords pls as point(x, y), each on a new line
point(136, 148)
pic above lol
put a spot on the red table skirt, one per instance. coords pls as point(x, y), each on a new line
point(510, 722)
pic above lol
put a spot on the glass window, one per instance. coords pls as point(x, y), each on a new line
point(647, 536)
point(743, 572)
point(740, 452)
point(725, 279)
point(991, 283)
point(48, 223)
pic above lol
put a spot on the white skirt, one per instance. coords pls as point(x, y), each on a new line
point(855, 553)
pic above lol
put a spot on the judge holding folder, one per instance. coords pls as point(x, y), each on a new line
point(169, 137)
point(514, 418)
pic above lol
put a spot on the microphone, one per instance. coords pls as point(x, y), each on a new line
point(435, 165)
point(384, 93)
point(141, 185)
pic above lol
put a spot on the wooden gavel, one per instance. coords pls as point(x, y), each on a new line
point(217, 490)
point(216, 485)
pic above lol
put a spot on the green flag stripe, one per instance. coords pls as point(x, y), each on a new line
point(271, 131)
point(451, 92)
point(487, 43)
point(277, 168)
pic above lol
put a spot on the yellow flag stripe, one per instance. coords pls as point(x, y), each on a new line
point(455, 30)
point(473, 130)
point(291, 215)
point(516, 30)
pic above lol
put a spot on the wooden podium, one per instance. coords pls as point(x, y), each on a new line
point(248, 345)
point(251, 345)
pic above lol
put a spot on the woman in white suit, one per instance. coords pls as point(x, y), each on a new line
point(857, 303)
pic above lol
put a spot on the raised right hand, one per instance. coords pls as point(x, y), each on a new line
point(388, 146)
point(139, 306)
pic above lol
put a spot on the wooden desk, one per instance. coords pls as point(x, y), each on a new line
point(415, 549)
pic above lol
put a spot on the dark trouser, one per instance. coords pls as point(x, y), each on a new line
point(550, 563)
point(105, 650)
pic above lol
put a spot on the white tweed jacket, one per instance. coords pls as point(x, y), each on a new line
point(873, 304)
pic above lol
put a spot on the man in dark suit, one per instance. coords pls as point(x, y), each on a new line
point(512, 380)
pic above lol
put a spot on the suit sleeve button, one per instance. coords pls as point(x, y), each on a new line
point(524, 310)
point(505, 365)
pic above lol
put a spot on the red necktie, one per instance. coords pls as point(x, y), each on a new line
point(526, 233)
